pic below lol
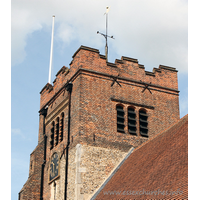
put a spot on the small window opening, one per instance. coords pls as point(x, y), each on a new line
point(61, 126)
point(143, 123)
point(131, 121)
point(31, 166)
point(52, 135)
point(120, 119)
point(57, 131)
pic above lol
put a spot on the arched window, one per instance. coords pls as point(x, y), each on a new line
point(131, 121)
point(143, 123)
point(57, 131)
point(120, 118)
point(61, 127)
point(52, 135)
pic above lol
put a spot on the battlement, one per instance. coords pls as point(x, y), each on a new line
point(108, 109)
point(125, 69)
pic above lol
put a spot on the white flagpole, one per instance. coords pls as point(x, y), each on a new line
point(51, 53)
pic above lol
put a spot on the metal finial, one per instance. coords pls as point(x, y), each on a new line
point(106, 35)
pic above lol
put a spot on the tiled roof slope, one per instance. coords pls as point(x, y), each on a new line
point(157, 167)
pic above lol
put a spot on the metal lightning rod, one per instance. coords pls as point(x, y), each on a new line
point(51, 53)
point(106, 35)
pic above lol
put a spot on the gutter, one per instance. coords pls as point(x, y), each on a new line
point(69, 89)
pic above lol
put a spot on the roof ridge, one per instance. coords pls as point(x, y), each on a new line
point(154, 168)
point(162, 132)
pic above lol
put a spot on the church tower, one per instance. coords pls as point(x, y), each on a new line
point(94, 114)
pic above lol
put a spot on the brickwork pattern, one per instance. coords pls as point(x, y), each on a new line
point(31, 189)
point(98, 87)
point(161, 172)
point(92, 93)
point(98, 163)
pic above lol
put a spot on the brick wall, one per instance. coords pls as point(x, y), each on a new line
point(31, 189)
point(98, 87)
point(94, 99)
point(93, 165)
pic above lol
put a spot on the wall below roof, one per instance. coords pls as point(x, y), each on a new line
point(93, 166)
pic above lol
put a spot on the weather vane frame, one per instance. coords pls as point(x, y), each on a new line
point(106, 35)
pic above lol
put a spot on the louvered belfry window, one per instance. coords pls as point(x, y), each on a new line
point(120, 119)
point(52, 135)
point(61, 127)
point(57, 131)
point(143, 123)
point(131, 121)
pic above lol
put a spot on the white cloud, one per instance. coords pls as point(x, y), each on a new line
point(17, 132)
point(155, 32)
point(23, 24)
point(66, 33)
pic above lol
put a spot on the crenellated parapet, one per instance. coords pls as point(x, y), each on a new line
point(125, 69)
point(91, 117)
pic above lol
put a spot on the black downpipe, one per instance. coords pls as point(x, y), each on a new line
point(19, 195)
point(44, 113)
point(69, 89)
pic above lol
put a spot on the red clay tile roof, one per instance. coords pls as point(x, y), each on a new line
point(156, 170)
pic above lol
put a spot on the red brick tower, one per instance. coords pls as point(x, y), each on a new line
point(94, 113)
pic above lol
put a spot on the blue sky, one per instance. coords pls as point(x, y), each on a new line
point(154, 32)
